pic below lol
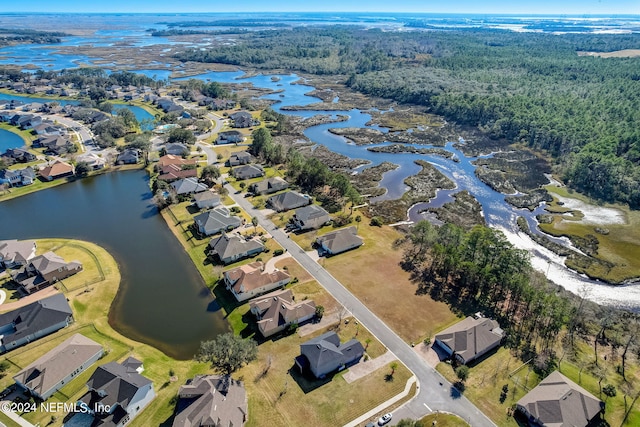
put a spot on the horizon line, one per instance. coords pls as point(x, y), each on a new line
point(523, 14)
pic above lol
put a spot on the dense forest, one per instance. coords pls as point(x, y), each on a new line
point(529, 88)
point(11, 36)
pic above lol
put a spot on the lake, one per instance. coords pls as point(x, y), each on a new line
point(9, 140)
point(162, 299)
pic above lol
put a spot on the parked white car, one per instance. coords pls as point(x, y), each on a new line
point(384, 419)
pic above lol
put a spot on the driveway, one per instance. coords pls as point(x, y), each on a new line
point(435, 393)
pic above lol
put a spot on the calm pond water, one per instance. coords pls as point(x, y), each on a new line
point(9, 140)
point(162, 299)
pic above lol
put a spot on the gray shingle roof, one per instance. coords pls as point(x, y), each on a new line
point(119, 383)
point(229, 246)
point(209, 400)
point(287, 201)
point(471, 336)
point(17, 250)
point(341, 240)
point(559, 402)
point(188, 185)
point(35, 317)
point(47, 371)
point(325, 353)
point(216, 220)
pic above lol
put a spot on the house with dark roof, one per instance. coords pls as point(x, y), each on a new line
point(268, 186)
point(250, 280)
point(188, 186)
point(211, 400)
point(470, 338)
point(56, 368)
point(216, 220)
point(559, 402)
point(54, 144)
point(240, 158)
point(176, 149)
point(117, 393)
point(229, 137)
point(242, 119)
point(14, 253)
point(33, 321)
point(206, 199)
point(277, 310)
point(339, 241)
point(45, 270)
point(18, 155)
point(247, 171)
point(128, 157)
point(287, 201)
point(230, 248)
point(310, 218)
point(324, 354)
point(17, 177)
point(57, 170)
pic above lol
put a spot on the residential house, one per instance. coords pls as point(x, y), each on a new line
point(45, 270)
point(277, 310)
point(17, 177)
point(230, 248)
point(211, 400)
point(54, 144)
point(216, 220)
point(117, 393)
point(247, 171)
point(188, 186)
point(249, 280)
point(56, 368)
point(339, 241)
point(558, 402)
point(93, 160)
point(128, 157)
point(229, 137)
point(33, 321)
point(310, 218)
point(268, 186)
point(240, 158)
point(206, 200)
point(58, 169)
point(176, 149)
point(324, 354)
point(470, 338)
point(287, 201)
point(174, 167)
point(242, 119)
point(169, 106)
point(15, 253)
point(18, 155)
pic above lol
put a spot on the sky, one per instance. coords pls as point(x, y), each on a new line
point(577, 7)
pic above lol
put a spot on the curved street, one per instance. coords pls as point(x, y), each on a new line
point(434, 392)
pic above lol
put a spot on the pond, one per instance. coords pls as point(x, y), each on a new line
point(162, 300)
point(9, 140)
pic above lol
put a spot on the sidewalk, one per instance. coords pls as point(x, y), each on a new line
point(381, 407)
point(15, 417)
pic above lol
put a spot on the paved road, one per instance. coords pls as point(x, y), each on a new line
point(434, 393)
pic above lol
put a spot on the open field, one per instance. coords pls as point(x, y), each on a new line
point(283, 397)
point(621, 243)
point(443, 420)
point(625, 53)
point(372, 272)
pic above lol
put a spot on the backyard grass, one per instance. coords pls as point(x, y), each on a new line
point(26, 135)
point(487, 378)
point(37, 185)
point(282, 397)
point(620, 246)
point(91, 317)
point(372, 273)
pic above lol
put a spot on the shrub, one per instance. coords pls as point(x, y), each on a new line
point(376, 221)
point(278, 252)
